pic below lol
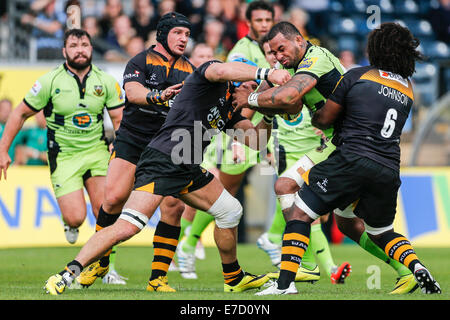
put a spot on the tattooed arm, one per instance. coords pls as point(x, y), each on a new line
point(288, 96)
point(285, 98)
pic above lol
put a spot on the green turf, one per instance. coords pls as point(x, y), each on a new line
point(24, 271)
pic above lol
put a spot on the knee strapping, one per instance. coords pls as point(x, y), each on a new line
point(227, 211)
point(134, 217)
point(286, 200)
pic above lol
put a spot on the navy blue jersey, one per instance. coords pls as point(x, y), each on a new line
point(201, 110)
point(376, 105)
point(153, 71)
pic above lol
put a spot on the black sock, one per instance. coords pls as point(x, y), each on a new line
point(295, 242)
point(74, 269)
point(232, 273)
point(104, 220)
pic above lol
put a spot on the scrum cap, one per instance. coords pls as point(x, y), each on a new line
point(168, 22)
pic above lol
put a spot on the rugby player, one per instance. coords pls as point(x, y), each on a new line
point(368, 109)
point(73, 97)
point(170, 166)
point(151, 80)
point(291, 181)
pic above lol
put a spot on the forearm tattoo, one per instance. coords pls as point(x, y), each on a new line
point(298, 82)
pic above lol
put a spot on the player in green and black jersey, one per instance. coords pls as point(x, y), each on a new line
point(73, 97)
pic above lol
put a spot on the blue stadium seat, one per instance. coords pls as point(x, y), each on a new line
point(348, 42)
point(421, 29)
point(354, 6)
point(403, 7)
point(425, 83)
point(435, 49)
point(342, 26)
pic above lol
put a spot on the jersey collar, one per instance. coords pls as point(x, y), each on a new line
point(308, 46)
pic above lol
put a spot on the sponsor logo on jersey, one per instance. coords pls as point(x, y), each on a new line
point(135, 74)
point(393, 77)
point(36, 88)
point(98, 91)
point(82, 120)
point(307, 63)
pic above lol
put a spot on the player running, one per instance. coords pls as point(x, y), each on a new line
point(169, 166)
point(73, 97)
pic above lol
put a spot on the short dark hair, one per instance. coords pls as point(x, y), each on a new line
point(79, 33)
point(258, 5)
point(393, 48)
point(287, 29)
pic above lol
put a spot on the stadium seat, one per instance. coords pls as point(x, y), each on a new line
point(425, 82)
point(342, 26)
point(403, 7)
point(435, 49)
point(348, 42)
point(420, 28)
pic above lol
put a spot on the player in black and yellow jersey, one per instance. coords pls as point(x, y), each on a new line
point(170, 166)
point(152, 79)
point(368, 109)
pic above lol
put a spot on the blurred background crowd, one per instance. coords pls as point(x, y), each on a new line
point(32, 31)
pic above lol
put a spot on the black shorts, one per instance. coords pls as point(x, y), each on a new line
point(129, 145)
point(345, 179)
point(157, 174)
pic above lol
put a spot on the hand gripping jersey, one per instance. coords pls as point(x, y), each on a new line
point(201, 110)
point(153, 71)
point(74, 109)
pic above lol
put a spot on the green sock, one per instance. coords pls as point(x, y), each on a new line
point(275, 233)
point(308, 259)
point(112, 258)
point(321, 248)
point(367, 244)
point(184, 224)
point(199, 224)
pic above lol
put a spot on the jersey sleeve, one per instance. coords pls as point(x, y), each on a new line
point(315, 65)
point(115, 98)
point(40, 93)
point(135, 70)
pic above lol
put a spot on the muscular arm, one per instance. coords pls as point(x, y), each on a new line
point(288, 97)
point(136, 93)
point(327, 115)
point(116, 117)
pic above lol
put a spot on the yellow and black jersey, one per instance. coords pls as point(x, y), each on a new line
point(376, 105)
point(153, 71)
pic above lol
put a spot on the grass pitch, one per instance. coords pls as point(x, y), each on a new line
point(24, 271)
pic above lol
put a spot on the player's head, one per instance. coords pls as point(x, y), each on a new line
point(77, 48)
point(268, 53)
point(200, 54)
point(260, 15)
point(287, 43)
point(172, 32)
point(393, 48)
point(249, 62)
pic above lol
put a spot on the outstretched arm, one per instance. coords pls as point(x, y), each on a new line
point(240, 72)
point(287, 97)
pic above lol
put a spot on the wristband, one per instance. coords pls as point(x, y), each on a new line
point(262, 73)
point(253, 99)
point(268, 119)
point(153, 98)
